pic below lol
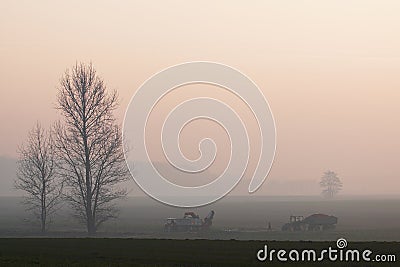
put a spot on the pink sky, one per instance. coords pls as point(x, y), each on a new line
point(329, 69)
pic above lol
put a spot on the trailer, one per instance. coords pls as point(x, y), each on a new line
point(315, 222)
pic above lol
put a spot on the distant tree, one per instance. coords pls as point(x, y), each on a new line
point(331, 184)
point(89, 146)
point(36, 175)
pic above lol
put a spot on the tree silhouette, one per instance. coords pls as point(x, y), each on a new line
point(331, 184)
point(36, 175)
point(89, 146)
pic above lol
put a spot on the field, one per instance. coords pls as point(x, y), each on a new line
point(163, 253)
point(360, 219)
point(238, 232)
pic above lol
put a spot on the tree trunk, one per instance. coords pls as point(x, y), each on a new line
point(90, 220)
point(91, 228)
point(43, 228)
point(43, 207)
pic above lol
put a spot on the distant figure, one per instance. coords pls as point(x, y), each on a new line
point(269, 226)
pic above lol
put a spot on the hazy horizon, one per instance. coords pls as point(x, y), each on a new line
point(281, 188)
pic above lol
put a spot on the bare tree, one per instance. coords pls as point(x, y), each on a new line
point(331, 184)
point(36, 175)
point(89, 146)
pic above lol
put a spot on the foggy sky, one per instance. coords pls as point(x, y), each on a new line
point(329, 69)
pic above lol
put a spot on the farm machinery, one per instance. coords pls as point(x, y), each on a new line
point(315, 222)
point(190, 222)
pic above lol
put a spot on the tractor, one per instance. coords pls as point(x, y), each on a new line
point(315, 222)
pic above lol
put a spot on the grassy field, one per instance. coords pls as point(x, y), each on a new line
point(238, 232)
point(360, 219)
point(163, 253)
